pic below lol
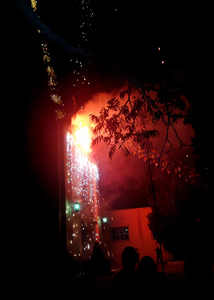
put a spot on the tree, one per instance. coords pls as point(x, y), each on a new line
point(173, 221)
point(124, 124)
point(185, 227)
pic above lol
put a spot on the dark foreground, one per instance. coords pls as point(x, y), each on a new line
point(98, 287)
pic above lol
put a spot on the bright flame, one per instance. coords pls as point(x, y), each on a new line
point(82, 128)
point(82, 181)
point(83, 138)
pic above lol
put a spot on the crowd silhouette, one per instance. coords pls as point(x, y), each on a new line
point(147, 283)
point(141, 279)
point(131, 282)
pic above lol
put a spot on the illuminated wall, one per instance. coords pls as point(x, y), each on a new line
point(82, 200)
point(130, 229)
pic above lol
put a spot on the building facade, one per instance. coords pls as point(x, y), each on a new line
point(127, 227)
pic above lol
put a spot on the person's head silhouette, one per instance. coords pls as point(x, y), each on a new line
point(147, 266)
point(129, 257)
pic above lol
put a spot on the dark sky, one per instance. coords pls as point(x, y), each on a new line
point(131, 32)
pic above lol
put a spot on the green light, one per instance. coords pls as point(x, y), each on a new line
point(105, 220)
point(76, 206)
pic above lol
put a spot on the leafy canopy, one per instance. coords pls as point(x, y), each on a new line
point(123, 122)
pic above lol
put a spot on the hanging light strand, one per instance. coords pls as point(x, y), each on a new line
point(52, 81)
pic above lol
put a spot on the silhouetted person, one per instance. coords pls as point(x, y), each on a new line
point(151, 284)
point(159, 256)
point(99, 265)
point(97, 253)
point(124, 284)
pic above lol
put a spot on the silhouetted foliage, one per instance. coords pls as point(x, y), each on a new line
point(183, 219)
point(125, 120)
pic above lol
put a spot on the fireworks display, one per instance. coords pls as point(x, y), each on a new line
point(82, 194)
point(81, 172)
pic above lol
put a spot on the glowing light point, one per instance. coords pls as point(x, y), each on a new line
point(105, 220)
point(76, 206)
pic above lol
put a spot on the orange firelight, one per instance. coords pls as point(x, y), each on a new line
point(82, 132)
point(83, 138)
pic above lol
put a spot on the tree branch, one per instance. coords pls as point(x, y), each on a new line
point(166, 139)
point(181, 142)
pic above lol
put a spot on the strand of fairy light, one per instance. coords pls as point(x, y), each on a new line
point(34, 5)
point(56, 98)
point(52, 82)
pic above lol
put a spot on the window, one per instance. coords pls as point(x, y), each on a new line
point(119, 233)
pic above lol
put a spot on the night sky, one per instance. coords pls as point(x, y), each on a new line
point(129, 33)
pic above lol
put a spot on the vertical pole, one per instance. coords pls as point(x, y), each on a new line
point(156, 214)
point(97, 236)
point(59, 187)
point(62, 239)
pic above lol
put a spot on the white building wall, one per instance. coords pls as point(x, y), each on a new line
point(140, 236)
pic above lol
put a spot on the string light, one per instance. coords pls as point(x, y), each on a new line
point(52, 82)
point(34, 5)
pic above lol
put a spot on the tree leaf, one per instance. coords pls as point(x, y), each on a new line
point(122, 94)
point(94, 118)
point(112, 151)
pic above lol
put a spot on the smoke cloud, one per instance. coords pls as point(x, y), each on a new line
point(123, 181)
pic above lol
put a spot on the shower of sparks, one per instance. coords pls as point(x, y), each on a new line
point(82, 174)
point(82, 189)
